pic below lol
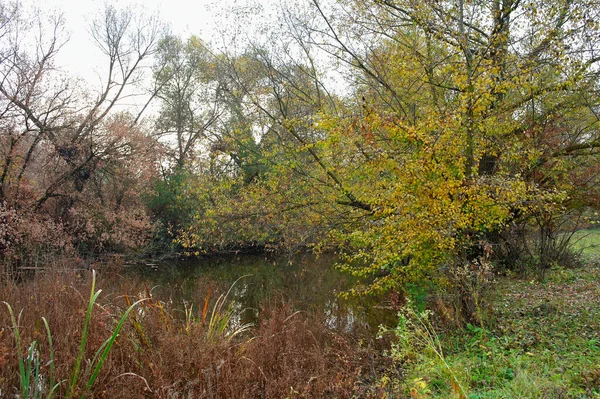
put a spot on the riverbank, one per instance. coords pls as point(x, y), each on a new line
point(540, 340)
point(166, 350)
point(537, 339)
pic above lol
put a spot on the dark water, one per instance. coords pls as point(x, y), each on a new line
point(309, 283)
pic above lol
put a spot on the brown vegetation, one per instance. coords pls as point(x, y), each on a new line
point(163, 355)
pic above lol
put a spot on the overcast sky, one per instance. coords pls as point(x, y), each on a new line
point(215, 21)
point(207, 18)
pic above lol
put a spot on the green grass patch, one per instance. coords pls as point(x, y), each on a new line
point(543, 342)
point(588, 242)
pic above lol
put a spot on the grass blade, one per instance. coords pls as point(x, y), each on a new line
point(221, 316)
point(22, 375)
point(205, 309)
point(84, 334)
point(51, 383)
point(144, 340)
point(34, 365)
point(106, 347)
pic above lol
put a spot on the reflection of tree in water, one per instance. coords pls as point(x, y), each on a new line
point(308, 282)
point(244, 310)
point(339, 317)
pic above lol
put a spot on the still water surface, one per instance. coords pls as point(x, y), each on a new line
point(309, 283)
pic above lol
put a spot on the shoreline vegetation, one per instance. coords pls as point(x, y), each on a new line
point(447, 152)
point(167, 350)
point(537, 339)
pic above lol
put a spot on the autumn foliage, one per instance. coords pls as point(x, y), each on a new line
point(460, 126)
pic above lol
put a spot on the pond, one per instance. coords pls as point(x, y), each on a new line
point(309, 283)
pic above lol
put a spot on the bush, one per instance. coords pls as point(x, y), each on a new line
point(536, 247)
point(29, 241)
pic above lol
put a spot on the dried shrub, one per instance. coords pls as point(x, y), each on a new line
point(537, 246)
point(160, 354)
point(29, 241)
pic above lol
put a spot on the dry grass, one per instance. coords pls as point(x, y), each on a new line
point(160, 354)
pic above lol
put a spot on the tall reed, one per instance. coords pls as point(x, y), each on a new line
point(31, 381)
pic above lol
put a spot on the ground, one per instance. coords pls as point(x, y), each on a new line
point(541, 340)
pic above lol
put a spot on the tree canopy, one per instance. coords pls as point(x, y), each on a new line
point(415, 137)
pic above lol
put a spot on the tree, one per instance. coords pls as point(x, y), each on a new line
point(462, 119)
point(53, 114)
point(263, 155)
point(452, 95)
point(56, 137)
point(188, 105)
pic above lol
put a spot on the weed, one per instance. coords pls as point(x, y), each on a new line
point(220, 322)
point(543, 343)
point(286, 353)
point(418, 342)
point(32, 381)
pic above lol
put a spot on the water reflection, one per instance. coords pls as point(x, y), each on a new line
point(308, 282)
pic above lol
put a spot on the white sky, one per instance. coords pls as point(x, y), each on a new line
point(209, 19)
point(220, 23)
point(215, 21)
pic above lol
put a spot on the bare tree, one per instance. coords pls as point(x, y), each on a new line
point(45, 112)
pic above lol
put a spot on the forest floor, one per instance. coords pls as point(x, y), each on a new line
point(541, 340)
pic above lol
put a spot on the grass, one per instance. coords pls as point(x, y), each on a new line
point(588, 242)
point(541, 340)
point(31, 379)
point(152, 351)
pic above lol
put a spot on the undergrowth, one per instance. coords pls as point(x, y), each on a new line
point(57, 341)
point(537, 339)
point(541, 341)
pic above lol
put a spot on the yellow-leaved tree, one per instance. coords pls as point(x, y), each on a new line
point(462, 123)
point(468, 118)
